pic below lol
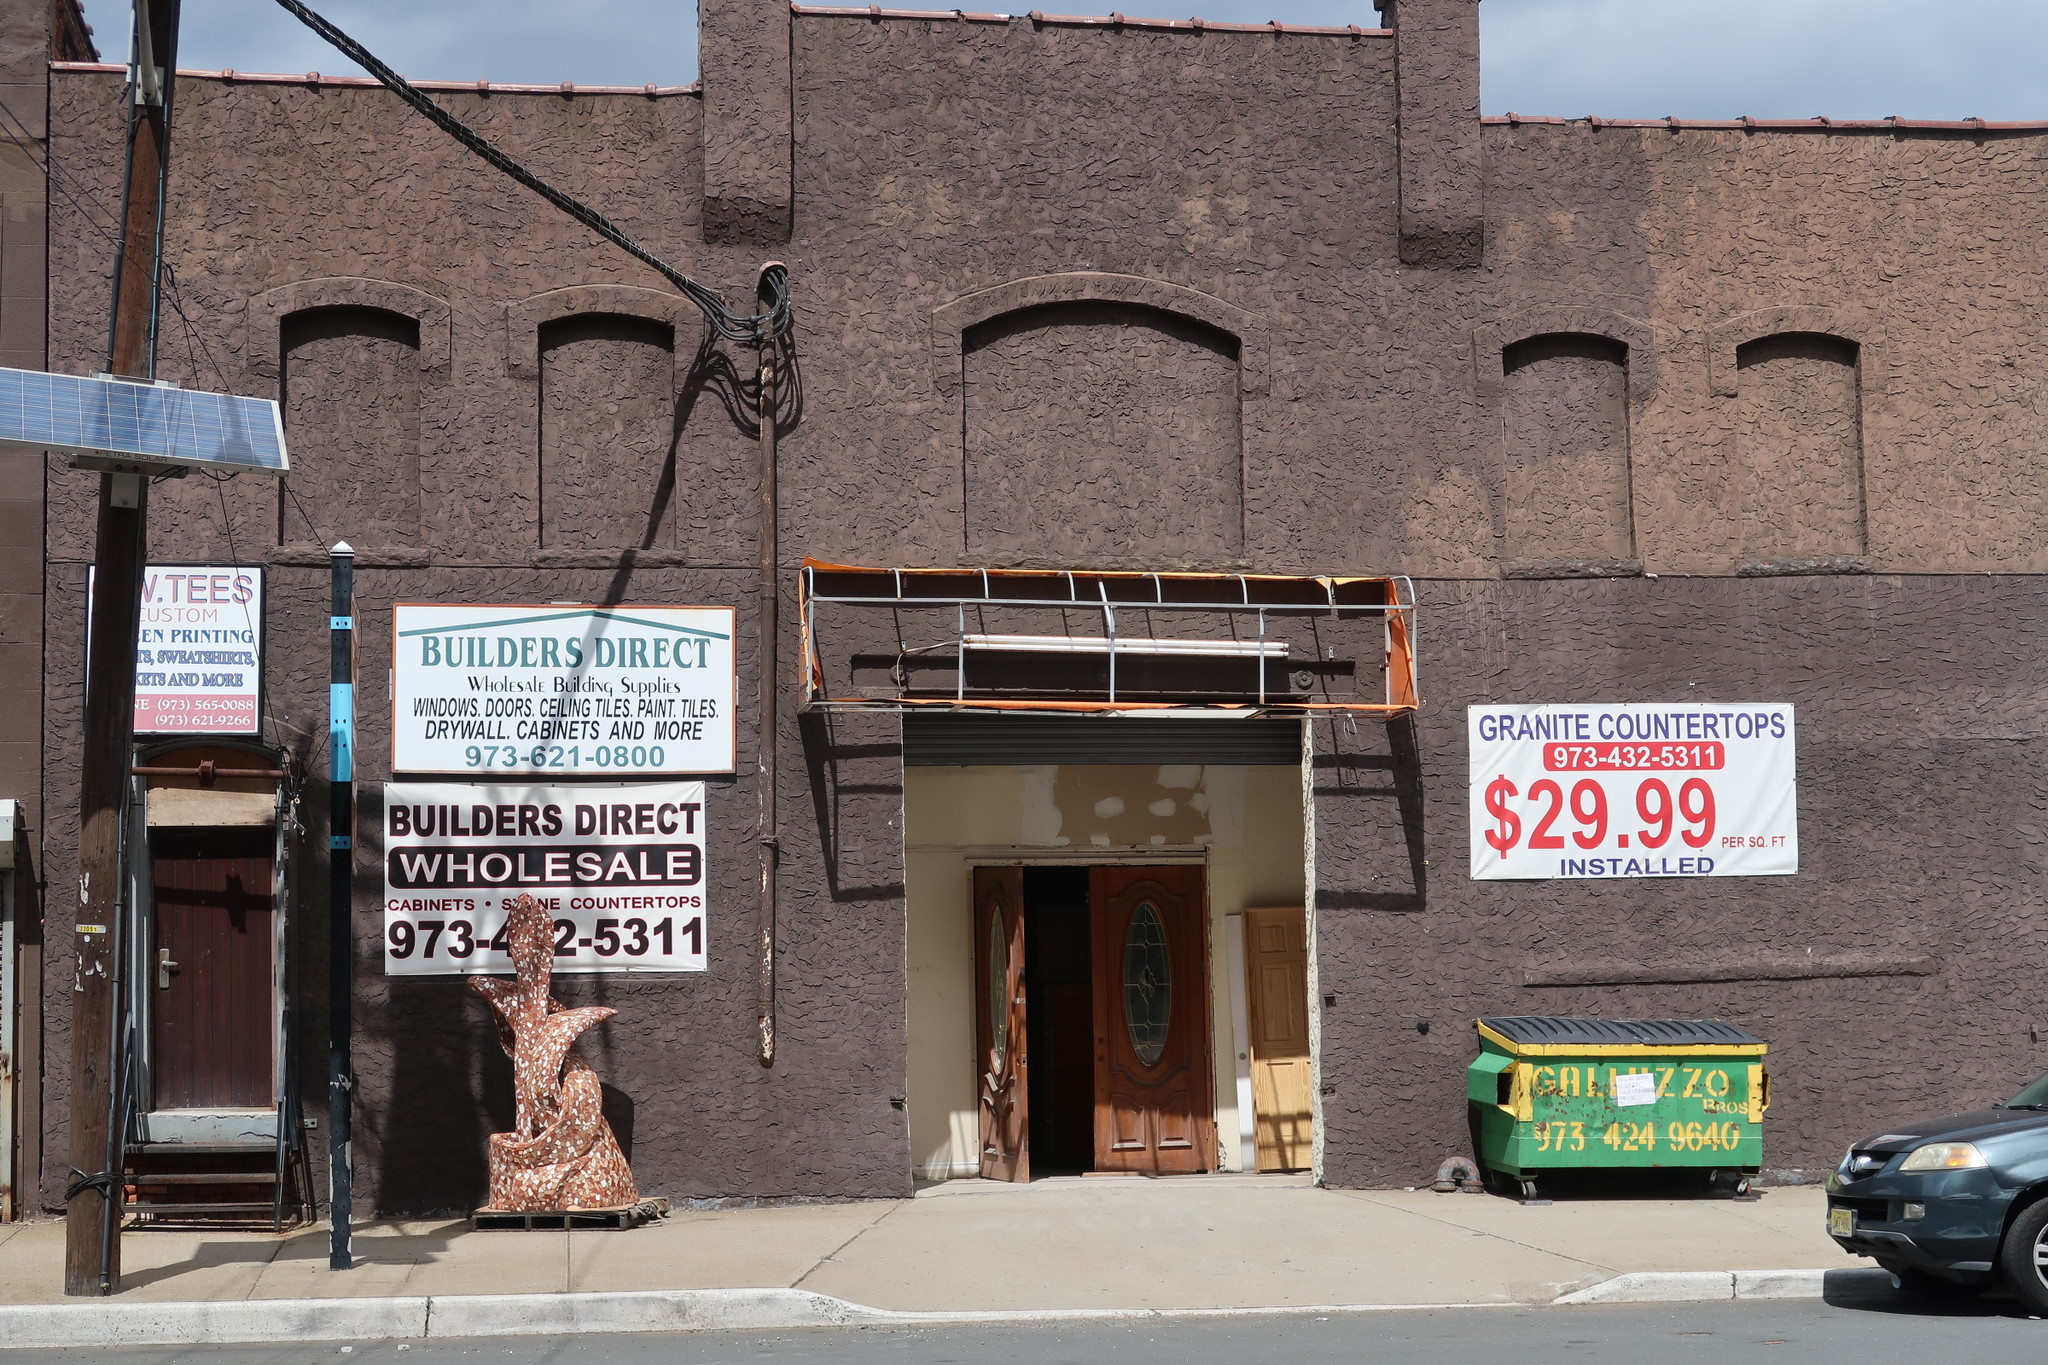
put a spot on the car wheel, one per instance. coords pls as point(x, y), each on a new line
point(1922, 1285)
point(2023, 1257)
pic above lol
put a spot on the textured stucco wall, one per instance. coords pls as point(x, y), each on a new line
point(1920, 808)
point(1926, 248)
point(705, 1118)
point(934, 160)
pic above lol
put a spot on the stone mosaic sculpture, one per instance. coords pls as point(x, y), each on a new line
point(562, 1154)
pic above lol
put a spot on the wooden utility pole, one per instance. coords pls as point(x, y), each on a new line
point(92, 1242)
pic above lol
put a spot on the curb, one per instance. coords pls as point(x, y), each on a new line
point(660, 1310)
point(1710, 1286)
point(454, 1316)
point(209, 1324)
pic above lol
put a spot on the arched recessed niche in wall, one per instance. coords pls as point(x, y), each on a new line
point(353, 360)
point(1564, 384)
point(605, 363)
point(607, 432)
point(1805, 381)
point(350, 379)
point(1799, 430)
point(1102, 421)
point(1564, 414)
point(1101, 433)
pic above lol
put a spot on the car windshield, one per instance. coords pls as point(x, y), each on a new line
point(2034, 1096)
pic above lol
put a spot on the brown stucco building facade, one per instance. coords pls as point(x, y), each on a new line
point(1645, 412)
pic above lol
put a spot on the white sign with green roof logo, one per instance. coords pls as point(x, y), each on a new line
point(551, 688)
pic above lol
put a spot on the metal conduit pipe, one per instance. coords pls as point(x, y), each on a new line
point(773, 274)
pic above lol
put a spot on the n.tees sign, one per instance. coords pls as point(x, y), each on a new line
point(198, 650)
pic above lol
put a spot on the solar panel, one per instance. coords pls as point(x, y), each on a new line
point(124, 425)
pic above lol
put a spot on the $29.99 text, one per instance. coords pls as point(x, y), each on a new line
point(456, 938)
point(1689, 813)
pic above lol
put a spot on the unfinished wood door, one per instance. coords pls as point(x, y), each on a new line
point(211, 963)
point(1153, 1106)
point(1276, 983)
point(1000, 1023)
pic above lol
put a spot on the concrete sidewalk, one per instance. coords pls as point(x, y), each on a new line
point(1187, 1243)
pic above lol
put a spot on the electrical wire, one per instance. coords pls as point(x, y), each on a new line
point(753, 329)
point(304, 515)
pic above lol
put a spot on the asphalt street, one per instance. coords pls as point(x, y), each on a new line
point(1873, 1331)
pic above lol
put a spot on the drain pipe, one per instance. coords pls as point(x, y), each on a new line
point(768, 655)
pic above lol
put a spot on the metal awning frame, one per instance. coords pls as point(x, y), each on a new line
point(1397, 614)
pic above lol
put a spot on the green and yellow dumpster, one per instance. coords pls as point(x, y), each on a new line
point(1551, 1094)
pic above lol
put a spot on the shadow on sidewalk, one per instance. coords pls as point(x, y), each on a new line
point(306, 1244)
point(1595, 1186)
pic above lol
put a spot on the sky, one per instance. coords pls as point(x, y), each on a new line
point(1615, 58)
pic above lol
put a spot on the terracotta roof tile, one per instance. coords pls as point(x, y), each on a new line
point(1088, 21)
point(1817, 124)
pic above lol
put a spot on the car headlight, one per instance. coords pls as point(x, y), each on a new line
point(1944, 1156)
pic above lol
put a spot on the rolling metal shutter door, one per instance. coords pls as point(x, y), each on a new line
point(956, 740)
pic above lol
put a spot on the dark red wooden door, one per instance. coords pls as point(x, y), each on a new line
point(1153, 1106)
point(214, 1019)
point(1000, 1023)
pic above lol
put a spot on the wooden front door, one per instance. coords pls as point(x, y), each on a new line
point(1004, 1076)
point(1153, 1106)
point(1276, 981)
point(211, 963)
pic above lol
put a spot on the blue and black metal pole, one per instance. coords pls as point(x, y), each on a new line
point(341, 950)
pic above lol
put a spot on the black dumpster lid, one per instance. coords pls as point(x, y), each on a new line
point(1541, 1030)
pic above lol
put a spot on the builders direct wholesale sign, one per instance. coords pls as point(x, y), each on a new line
point(541, 688)
point(198, 650)
point(1685, 790)
point(620, 869)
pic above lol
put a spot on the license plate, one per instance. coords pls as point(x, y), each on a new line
point(1842, 1222)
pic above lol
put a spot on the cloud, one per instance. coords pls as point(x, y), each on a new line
point(1769, 58)
point(1617, 58)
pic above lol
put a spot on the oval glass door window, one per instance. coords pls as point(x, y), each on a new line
point(1148, 984)
point(998, 990)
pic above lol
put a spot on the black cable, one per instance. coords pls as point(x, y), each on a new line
point(174, 296)
point(292, 493)
point(753, 329)
point(103, 1181)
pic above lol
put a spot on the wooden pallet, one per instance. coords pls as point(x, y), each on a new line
point(527, 1220)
